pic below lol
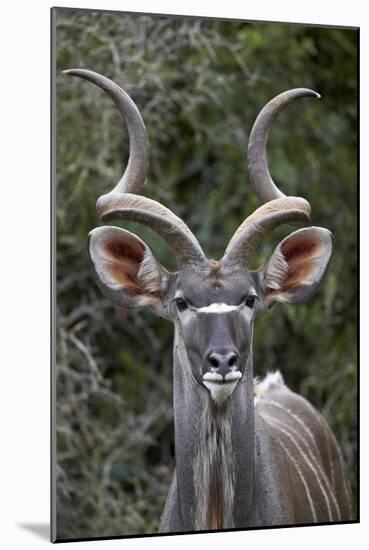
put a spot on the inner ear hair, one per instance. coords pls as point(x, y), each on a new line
point(125, 268)
point(297, 265)
point(277, 271)
point(149, 273)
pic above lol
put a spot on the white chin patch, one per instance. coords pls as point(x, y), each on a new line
point(221, 391)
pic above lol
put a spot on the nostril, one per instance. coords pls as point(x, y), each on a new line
point(222, 360)
point(212, 358)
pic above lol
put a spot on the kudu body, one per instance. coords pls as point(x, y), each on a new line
point(246, 455)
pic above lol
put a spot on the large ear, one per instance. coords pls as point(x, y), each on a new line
point(125, 268)
point(297, 266)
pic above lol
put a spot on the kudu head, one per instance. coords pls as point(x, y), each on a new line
point(212, 303)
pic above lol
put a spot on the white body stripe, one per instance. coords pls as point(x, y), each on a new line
point(297, 419)
point(306, 487)
point(314, 460)
point(323, 423)
point(272, 421)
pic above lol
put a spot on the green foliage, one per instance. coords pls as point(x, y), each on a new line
point(199, 85)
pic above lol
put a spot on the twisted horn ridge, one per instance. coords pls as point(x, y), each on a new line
point(157, 217)
point(257, 154)
point(122, 202)
point(278, 209)
point(266, 218)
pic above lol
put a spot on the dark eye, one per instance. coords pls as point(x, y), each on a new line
point(250, 300)
point(181, 304)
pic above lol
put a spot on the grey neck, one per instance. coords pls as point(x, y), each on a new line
point(214, 450)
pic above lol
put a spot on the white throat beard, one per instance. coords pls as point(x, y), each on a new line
point(220, 392)
point(220, 389)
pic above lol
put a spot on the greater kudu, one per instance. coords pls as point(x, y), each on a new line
point(245, 456)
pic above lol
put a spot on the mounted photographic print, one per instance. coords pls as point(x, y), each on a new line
point(204, 183)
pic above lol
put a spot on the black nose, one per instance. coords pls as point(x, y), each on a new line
point(223, 361)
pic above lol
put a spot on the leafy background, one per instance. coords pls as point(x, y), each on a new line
point(199, 84)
